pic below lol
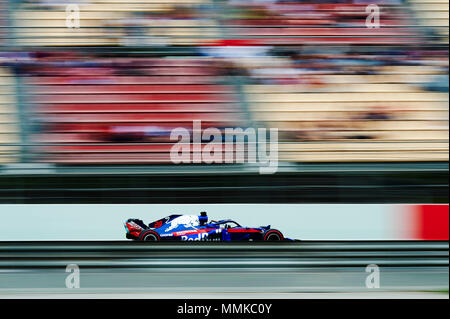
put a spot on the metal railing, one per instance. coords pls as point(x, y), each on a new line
point(233, 267)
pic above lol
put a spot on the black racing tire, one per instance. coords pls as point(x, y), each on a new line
point(273, 235)
point(150, 235)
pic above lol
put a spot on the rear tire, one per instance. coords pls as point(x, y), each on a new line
point(273, 235)
point(150, 236)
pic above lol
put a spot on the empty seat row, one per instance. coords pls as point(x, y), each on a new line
point(9, 120)
point(114, 23)
point(110, 116)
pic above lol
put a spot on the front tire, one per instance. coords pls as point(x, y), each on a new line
point(150, 236)
point(273, 235)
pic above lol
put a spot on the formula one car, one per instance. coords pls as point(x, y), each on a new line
point(197, 228)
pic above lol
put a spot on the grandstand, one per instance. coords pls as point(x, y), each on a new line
point(323, 22)
point(146, 23)
point(432, 14)
point(384, 116)
point(343, 96)
point(94, 112)
point(3, 22)
point(337, 90)
point(9, 121)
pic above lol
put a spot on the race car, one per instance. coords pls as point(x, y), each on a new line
point(197, 228)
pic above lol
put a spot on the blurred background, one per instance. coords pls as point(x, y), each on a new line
point(86, 113)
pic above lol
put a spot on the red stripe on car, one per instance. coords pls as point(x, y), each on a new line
point(244, 230)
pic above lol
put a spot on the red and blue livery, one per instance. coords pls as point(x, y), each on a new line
point(197, 228)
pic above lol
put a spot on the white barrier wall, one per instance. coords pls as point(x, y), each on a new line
point(297, 221)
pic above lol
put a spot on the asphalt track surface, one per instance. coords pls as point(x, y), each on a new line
point(307, 269)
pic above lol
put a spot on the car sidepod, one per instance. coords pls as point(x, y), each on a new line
point(243, 234)
point(205, 234)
